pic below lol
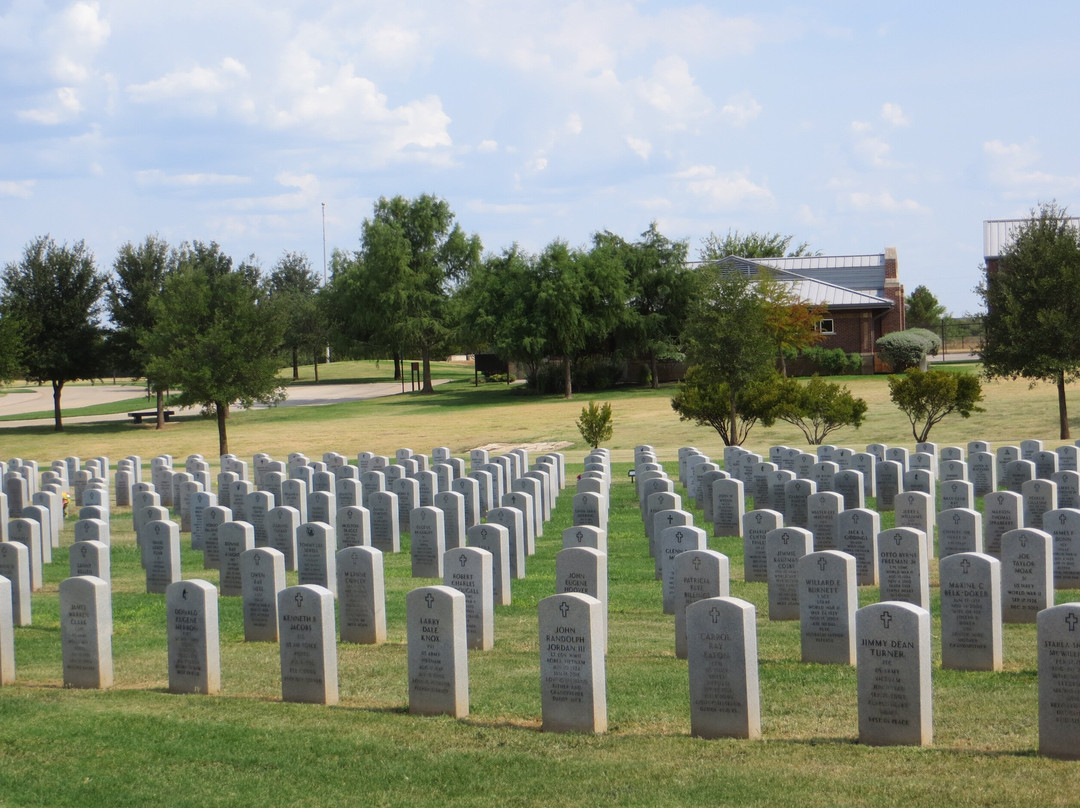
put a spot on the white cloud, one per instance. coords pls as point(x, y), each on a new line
point(197, 81)
point(891, 113)
point(806, 215)
point(642, 148)
point(871, 149)
point(488, 146)
point(1012, 166)
point(156, 177)
point(20, 189)
point(740, 109)
point(883, 202)
point(573, 125)
point(83, 24)
point(64, 106)
point(673, 91)
point(724, 190)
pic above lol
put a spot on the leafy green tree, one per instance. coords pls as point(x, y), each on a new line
point(922, 310)
point(54, 295)
point(792, 323)
point(137, 281)
point(413, 256)
point(750, 245)
point(294, 286)
point(817, 407)
point(595, 424)
point(217, 334)
point(926, 397)
point(731, 353)
point(659, 289)
point(1033, 306)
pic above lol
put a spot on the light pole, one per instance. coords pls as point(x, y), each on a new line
point(324, 266)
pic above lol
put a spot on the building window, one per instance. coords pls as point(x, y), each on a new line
point(826, 326)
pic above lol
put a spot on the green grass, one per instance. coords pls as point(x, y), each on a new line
point(137, 744)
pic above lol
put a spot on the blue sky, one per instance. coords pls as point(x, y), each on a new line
point(853, 126)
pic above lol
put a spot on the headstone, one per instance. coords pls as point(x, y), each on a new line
point(822, 510)
point(234, 539)
point(959, 531)
point(970, 612)
point(1063, 525)
point(1059, 681)
point(90, 558)
point(361, 586)
point(452, 504)
point(915, 509)
point(512, 520)
point(1027, 576)
point(468, 570)
point(585, 536)
point(294, 493)
point(889, 483)
point(849, 485)
point(86, 632)
point(15, 567)
point(427, 542)
point(982, 472)
point(893, 672)
point(584, 570)
point(385, 530)
point(1002, 511)
point(262, 572)
point(699, 574)
point(728, 507)
point(1039, 496)
point(673, 542)
point(828, 598)
point(7, 634)
point(1018, 472)
point(756, 526)
point(161, 555)
point(282, 523)
point(353, 527)
point(573, 684)
point(28, 533)
point(957, 494)
point(438, 657)
point(725, 698)
point(316, 553)
point(1068, 488)
point(192, 637)
point(796, 505)
point(856, 535)
point(903, 566)
point(784, 547)
point(496, 540)
point(308, 646)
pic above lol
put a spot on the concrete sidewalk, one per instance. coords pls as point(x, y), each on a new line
point(35, 399)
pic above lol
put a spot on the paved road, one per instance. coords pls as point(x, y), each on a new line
point(36, 399)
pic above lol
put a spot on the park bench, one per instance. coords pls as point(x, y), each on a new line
point(138, 416)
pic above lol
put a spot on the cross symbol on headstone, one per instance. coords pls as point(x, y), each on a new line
point(1071, 620)
point(1062, 518)
point(898, 537)
point(580, 536)
point(785, 538)
point(429, 599)
point(696, 563)
point(886, 619)
point(714, 613)
point(965, 565)
point(564, 608)
point(83, 551)
point(956, 519)
point(299, 600)
point(678, 536)
point(670, 518)
point(757, 518)
point(1023, 539)
point(822, 564)
point(463, 559)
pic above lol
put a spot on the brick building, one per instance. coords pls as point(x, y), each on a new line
point(863, 294)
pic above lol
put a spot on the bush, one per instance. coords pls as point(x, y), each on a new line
point(498, 378)
point(908, 349)
point(590, 373)
point(595, 423)
point(833, 361)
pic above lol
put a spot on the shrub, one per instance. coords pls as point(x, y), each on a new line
point(833, 361)
point(595, 423)
point(908, 349)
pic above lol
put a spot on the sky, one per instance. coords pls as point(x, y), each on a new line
point(852, 126)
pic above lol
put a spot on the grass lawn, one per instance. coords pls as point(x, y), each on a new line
point(137, 744)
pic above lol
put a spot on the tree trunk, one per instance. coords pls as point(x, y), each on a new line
point(733, 438)
point(315, 356)
point(654, 368)
point(1063, 408)
point(783, 363)
point(222, 410)
point(569, 390)
point(425, 355)
point(57, 388)
point(398, 371)
point(160, 409)
point(295, 364)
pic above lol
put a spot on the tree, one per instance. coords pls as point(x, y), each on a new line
point(595, 423)
point(817, 407)
point(54, 294)
point(908, 349)
point(792, 323)
point(926, 397)
point(922, 310)
point(413, 255)
point(659, 288)
point(138, 280)
point(725, 334)
point(707, 401)
point(11, 348)
point(294, 286)
point(1032, 303)
point(750, 245)
point(217, 334)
